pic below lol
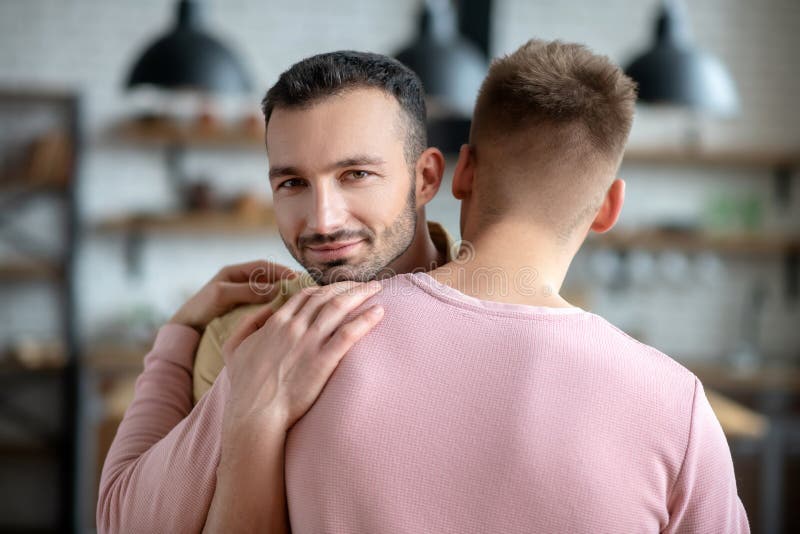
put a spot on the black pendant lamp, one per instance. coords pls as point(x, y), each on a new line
point(451, 67)
point(674, 72)
point(189, 58)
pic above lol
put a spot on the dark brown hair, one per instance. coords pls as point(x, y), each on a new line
point(318, 77)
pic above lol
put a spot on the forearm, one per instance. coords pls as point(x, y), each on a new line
point(250, 493)
point(160, 472)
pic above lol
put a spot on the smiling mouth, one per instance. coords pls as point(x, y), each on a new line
point(332, 251)
point(334, 246)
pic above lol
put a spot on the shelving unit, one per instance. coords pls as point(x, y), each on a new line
point(696, 158)
point(40, 437)
point(159, 132)
point(176, 137)
point(751, 245)
point(761, 463)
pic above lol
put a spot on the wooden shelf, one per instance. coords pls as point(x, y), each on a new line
point(109, 357)
point(737, 420)
point(28, 270)
point(37, 95)
point(157, 132)
point(658, 240)
point(758, 380)
point(32, 185)
point(744, 158)
point(16, 369)
point(14, 450)
point(34, 358)
point(193, 223)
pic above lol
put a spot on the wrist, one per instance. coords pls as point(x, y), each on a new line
point(242, 442)
point(250, 429)
point(177, 319)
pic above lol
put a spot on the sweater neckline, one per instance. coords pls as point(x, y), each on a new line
point(446, 293)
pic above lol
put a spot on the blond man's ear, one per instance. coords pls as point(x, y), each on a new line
point(610, 210)
point(464, 173)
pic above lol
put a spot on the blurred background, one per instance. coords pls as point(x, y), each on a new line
point(132, 168)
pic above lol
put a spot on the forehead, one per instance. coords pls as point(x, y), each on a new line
point(358, 121)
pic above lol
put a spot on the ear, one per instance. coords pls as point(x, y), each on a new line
point(464, 173)
point(609, 211)
point(429, 172)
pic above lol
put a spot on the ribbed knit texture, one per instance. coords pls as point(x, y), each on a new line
point(454, 415)
point(161, 470)
point(464, 416)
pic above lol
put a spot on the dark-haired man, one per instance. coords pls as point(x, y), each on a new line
point(350, 175)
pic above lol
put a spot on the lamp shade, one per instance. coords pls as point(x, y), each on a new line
point(188, 58)
point(674, 72)
point(451, 68)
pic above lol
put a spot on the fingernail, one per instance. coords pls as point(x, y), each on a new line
point(374, 285)
point(376, 310)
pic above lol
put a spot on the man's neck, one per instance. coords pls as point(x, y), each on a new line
point(421, 254)
point(510, 262)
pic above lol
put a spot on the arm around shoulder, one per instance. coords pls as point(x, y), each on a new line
point(160, 473)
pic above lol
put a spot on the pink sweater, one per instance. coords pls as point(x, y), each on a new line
point(454, 415)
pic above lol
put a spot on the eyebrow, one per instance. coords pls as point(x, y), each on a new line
point(352, 161)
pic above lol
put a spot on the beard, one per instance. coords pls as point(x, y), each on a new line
point(379, 250)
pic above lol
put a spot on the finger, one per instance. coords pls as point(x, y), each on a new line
point(325, 361)
point(295, 302)
point(349, 334)
point(246, 327)
point(339, 306)
point(320, 296)
point(232, 294)
point(260, 271)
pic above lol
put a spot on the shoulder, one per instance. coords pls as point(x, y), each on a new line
point(643, 354)
point(657, 390)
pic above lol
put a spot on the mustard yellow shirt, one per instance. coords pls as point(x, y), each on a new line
point(208, 362)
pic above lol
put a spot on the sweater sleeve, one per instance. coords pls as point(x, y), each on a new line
point(704, 497)
point(160, 472)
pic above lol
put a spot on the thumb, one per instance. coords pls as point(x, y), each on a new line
point(236, 293)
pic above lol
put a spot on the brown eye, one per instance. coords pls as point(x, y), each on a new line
point(290, 183)
point(358, 175)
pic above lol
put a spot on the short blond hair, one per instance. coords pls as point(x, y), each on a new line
point(554, 111)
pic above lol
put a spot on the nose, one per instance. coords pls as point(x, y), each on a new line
point(329, 211)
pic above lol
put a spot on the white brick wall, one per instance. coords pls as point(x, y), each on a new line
point(90, 44)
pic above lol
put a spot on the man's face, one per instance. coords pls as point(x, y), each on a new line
point(342, 190)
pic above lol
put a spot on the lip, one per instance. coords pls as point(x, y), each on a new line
point(333, 251)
